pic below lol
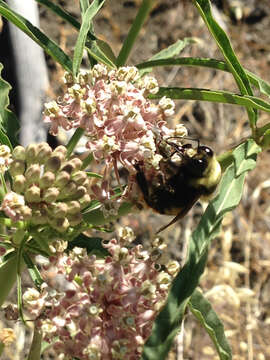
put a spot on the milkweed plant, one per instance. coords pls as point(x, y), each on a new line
point(96, 298)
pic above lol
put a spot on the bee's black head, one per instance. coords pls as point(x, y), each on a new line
point(197, 164)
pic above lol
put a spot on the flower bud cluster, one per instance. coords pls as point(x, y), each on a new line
point(113, 109)
point(46, 187)
point(105, 308)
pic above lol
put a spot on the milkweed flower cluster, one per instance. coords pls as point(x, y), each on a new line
point(104, 308)
point(113, 109)
point(46, 188)
point(121, 124)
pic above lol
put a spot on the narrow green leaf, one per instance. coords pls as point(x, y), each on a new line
point(63, 14)
point(86, 23)
point(134, 31)
point(95, 51)
point(74, 141)
point(84, 4)
point(224, 97)
point(173, 50)
point(50, 47)
point(223, 42)
point(87, 161)
point(255, 80)
point(35, 349)
point(168, 321)
point(9, 126)
point(96, 217)
point(92, 174)
point(4, 140)
point(167, 53)
point(203, 311)
point(100, 50)
point(107, 50)
point(33, 271)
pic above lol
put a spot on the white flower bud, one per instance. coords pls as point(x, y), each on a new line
point(18, 153)
point(17, 167)
point(32, 194)
point(31, 153)
point(32, 173)
point(50, 195)
point(47, 180)
point(19, 183)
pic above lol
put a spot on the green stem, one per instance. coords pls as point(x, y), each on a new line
point(134, 31)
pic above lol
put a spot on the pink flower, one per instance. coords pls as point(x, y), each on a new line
point(123, 126)
point(111, 305)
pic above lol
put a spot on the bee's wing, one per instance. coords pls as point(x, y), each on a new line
point(181, 213)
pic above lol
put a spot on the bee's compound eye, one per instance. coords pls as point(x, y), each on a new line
point(205, 149)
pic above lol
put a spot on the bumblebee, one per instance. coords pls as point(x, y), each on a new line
point(178, 185)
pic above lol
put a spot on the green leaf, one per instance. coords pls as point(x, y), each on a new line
point(134, 31)
point(7, 275)
point(9, 126)
point(223, 42)
point(50, 47)
point(4, 140)
point(262, 85)
point(173, 49)
point(93, 245)
point(64, 15)
point(95, 51)
point(96, 217)
point(92, 174)
point(107, 51)
point(203, 311)
point(99, 50)
point(224, 97)
point(85, 27)
point(35, 349)
point(74, 140)
point(33, 271)
point(84, 4)
point(168, 321)
point(87, 161)
point(168, 53)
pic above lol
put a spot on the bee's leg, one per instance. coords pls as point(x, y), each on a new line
point(179, 216)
